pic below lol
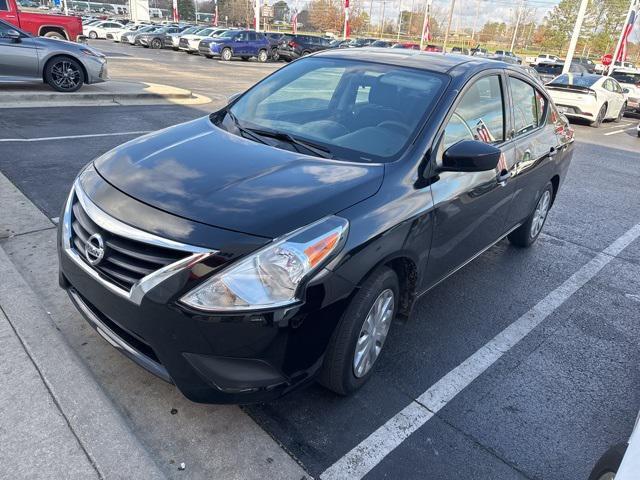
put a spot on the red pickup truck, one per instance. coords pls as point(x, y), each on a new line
point(57, 26)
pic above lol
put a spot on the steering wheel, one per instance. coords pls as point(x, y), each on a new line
point(397, 126)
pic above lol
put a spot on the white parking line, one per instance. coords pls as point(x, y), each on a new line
point(619, 131)
point(71, 137)
point(373, 449)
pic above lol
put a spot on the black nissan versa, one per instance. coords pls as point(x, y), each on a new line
point(247, 253)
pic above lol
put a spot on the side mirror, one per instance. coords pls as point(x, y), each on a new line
point(470, 156)
point(625, 90)
point(233, 97)
point(13, 35)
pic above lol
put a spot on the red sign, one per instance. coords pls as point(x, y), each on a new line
point(606, 59)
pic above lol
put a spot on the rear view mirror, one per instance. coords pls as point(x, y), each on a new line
point(233, 97)
point(470, 156)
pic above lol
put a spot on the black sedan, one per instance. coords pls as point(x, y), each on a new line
point(249, 252)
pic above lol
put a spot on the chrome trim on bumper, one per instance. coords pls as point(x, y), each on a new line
point(113, 225)
point(117, 342)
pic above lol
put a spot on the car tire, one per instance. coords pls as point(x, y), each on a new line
point(305, 53)
point(263, 56)
point(209, 56)
point(275, 56)
point(609, 462)
point(156, 43)
point(57, 35)
point(339, 368)
point(226, 54)
point(526, 234)
point(93, 35)
point(621, 113)
point(54, 74)
point(600, 118)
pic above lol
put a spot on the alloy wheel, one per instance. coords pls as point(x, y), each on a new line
point(540, 213)
point(157, 43)
point(262, 56)
point(226, 54)
point(93, 35)
point(373, 333)
point(65, 75)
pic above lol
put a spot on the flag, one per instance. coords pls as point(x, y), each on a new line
point(176, 17)
point(626, 31)
point(294, 21)
point(347, 28)
point(426, 30)
point(482, 133)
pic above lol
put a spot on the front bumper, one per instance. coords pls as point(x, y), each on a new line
point(633, 105)
point(287, 54)
point(211, 358)
point(97, 70)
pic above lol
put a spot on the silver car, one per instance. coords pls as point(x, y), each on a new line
point(65, 66)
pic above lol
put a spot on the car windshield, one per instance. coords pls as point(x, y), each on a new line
point(190, 30)
point(205, 32)
point(228, 34)
point(568, 80)
point(624, 77)
point(356, 111)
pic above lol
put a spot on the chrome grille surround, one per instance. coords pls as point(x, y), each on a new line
point(193, 254)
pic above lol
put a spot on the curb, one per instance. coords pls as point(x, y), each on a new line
point(101, 429)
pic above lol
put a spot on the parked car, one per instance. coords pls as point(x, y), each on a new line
point(460, 50)
point(296, 46)
point(338, 43)
point(64, 66)
point(159, 38)
point(62, 27)
point(629, 80)
point(589, 65)
point(382, 44)
point(588, 96)
point(243, 254)
point(546, 58)
point(479, 52)
point(190, 42)
point(242, 44)
point(175, 37)
point(549, 71)
point(208, 39)
point(507, 56)
point(117, 35)
point(101, 29)
point(433, 48)
point(130, 37)
point(407, 45)
point(358, 43)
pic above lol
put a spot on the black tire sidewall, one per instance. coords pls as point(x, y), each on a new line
point(520, 236)
point(49, 79)
point(337, 373)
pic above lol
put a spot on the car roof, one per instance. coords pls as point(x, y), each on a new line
point(435, 62)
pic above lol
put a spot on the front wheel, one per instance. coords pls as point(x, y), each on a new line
point(64, 74)
point(609, 462)
point(275, 56)
point(621, 113)
point(358, 339)
point(156, 43)
point(527, 233)
point(226, 54)
point(263, 56)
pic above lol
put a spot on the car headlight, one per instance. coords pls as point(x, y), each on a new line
point(271, 277)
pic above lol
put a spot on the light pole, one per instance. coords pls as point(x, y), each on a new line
point(575, 36)
point(515, 30)
point(446, 35)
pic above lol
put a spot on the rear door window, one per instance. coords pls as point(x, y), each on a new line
point(528, 106)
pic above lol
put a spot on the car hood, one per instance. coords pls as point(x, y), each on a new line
point(203, 173)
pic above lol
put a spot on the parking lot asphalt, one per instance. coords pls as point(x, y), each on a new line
point(545, 409)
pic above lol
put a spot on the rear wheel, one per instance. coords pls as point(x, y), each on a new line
point(57, 35)
point(599, 119)
point(621, 113)
point(358, 339)
point(226, 54)
point(609, 462)
point(275, 56)
point(64, 74)
point(263, 56)
point(527, 233)
point(156, 43)
point(93, 35)
point(305, 53)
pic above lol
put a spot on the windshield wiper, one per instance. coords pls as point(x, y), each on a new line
point(285, 137)
point(243, 130)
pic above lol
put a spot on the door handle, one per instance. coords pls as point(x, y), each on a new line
point(502, 177)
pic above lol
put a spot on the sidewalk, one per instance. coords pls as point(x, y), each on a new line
point(112, 92)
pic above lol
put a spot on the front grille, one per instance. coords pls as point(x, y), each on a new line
point(125, 261)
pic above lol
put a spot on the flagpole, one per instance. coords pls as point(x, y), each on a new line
point(574, 37)
point(622, 34)
point(425, 22)
point(257, 14)
point(346, 32)
point(446, 34)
